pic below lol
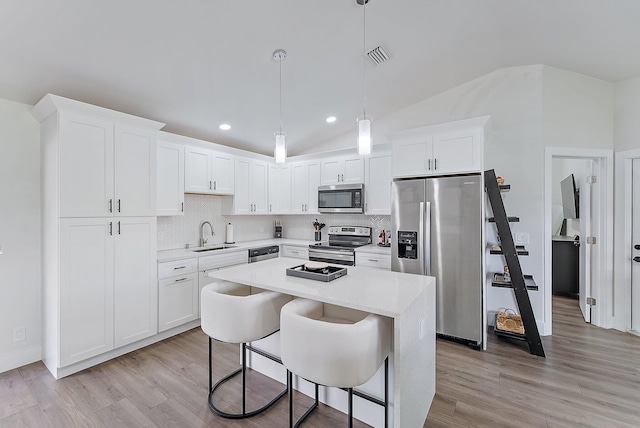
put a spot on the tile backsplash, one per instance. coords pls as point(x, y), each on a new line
point(177, 231)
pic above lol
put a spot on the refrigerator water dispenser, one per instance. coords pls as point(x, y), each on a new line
point(407, 245)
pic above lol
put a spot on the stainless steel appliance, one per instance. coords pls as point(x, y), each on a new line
point(277, 231)
point(263, 253)
point(341, 198)
point(437, 227)
point(343, 240)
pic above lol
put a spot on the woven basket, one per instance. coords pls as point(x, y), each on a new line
point(510, 321)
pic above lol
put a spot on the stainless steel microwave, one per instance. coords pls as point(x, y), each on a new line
point(341, 198)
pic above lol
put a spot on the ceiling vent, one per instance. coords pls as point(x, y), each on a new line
point(377, 55)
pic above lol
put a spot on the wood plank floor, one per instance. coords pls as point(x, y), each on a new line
point(591, 377)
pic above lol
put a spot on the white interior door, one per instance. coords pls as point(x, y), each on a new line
point(585, 248)
point(635, 241)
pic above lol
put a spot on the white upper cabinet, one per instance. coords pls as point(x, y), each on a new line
point(105, 168)
point(86, 166)
point(378, 185)
point(342, 170)
point(305, 179)
point(135, 172)
point(208, 172)
point(170, 179)
point(251, 188)
point(450, 148)
point(279, 189)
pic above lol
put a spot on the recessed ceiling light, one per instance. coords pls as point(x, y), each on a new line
point(225, 127)
point(331, 119)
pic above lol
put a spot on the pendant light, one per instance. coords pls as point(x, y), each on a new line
point(364, 121)
point(280, 151)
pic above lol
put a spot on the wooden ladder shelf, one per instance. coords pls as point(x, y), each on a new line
point(513, 263)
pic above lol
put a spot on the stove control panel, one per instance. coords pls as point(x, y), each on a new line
point(350, 230)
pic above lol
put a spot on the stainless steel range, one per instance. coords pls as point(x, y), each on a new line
point(343, 240)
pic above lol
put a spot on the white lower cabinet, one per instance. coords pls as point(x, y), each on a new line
point(180, 283)
point(177, 293)
point(107, 295)
point(295, 252)
point(177, 301)
point(375, 260)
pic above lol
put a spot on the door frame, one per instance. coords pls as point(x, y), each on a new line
point(621, 316)
point(602, 278)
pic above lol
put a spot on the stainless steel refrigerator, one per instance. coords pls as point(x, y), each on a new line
point(437, 228)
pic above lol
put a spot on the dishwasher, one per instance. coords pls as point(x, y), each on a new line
point(263, 253)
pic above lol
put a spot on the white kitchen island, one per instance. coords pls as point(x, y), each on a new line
point(407, 299)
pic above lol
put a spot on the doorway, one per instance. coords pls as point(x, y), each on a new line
point(626, 292)
point(593, 230)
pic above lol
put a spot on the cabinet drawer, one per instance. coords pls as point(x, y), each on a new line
point(295, 252)
point(221, 260)
point(178, 267)
point(381, 261)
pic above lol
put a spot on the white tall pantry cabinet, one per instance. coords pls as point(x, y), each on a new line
point(98, 231)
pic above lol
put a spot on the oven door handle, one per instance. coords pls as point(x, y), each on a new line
point(331, 252)
point(328, 256)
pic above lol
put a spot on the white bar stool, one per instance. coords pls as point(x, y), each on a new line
point(333, 346)
point(237, 313)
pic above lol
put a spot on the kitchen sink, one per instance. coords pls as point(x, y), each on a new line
point(219, 247)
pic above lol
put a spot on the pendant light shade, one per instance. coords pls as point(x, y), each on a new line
point(364, 121)
point(280, 151)
point(364, 135)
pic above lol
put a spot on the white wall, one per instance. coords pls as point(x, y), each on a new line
point(19, 234)
point(627, 114)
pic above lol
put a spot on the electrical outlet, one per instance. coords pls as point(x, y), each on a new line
point(521, 238)
point(19, 334)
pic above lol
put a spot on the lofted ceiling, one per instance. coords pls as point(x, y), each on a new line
point(195, 64)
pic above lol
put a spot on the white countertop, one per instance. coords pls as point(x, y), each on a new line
point(372, 290)
point(183, 253)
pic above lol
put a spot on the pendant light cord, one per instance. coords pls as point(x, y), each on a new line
point(364, 59)
point(280, 126)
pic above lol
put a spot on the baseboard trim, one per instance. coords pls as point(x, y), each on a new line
point(21, 358)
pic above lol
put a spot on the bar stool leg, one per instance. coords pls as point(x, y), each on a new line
point(350, 390)
point(386, 392)
point(244, 378)
point(210, 368)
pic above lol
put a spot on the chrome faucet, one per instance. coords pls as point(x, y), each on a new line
point(203, 241)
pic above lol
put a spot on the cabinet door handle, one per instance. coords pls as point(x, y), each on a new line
point(342, 175)
point(215, 185)
point(338, 177)
point(118, 228)
point(179, 267)
point(210, 185)
point(180, 279)
point(429, 165)
point(110, 228)
point(373, 260)
point(110, 205)
point(302, 207)
point(306, 208)
point(435, 164)
point(118, 205)
point(182, 207)
point(270, 208)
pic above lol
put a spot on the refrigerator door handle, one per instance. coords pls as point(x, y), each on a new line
point(421, 242)
point(427, 240)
